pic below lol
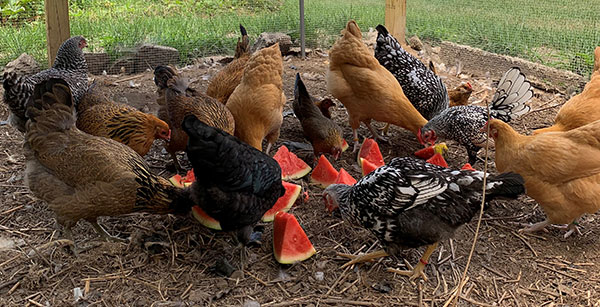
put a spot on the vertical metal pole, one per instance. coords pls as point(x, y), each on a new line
point(302, 38)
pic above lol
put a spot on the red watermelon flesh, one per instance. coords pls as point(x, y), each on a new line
point(190, 177)
point(438, 160)
point(467, 167)
point(205, 219)
point(292, 167)
point(290, 243)
point(370, 151)
point(285, 202)
point(425, 153)
point(366, 166)
point(345, 178)
point(345, 145)
point(324, 173)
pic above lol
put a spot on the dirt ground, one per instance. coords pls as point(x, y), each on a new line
point(169, 260)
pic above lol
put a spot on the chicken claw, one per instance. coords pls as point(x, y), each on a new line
point(102, 232)
point(418, 271)
point(376, 136)
point(362, 258)
point(536, 227)
point(571, 228)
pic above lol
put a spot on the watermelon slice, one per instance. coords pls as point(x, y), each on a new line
point(205, 219)
point(176, 180)
point(344, 145)
point(366, 166)
point(467, 167)
point(292, 167)
point(370, 152)
point(345, 178)
point(428, 152)
point(290, 243)
point(438, 160)
point(285, 202)
point(324, 173)
point(190, 177)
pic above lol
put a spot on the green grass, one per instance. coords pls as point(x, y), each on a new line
point(556, 33)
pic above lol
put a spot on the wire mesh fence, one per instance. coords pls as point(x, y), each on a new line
point(561, 34)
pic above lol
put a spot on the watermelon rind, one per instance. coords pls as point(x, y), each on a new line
point(344, 145)
point(204, 219)
point(366, 167)
point(369, 150)
point(176, 180)
point(345, 178)
point(292, 167)
point(290, 243)
point(324, 173)
point(285, 202)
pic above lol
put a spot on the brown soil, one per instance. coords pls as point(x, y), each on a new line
point(507, 268)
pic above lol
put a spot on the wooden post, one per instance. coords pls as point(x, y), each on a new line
point(57, 26)
point(395, 19)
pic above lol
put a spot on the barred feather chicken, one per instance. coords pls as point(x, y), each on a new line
point(463, 123)
point(99, 116)
point(69, 65)
point(459, 96)
point(582, 108)
point(82, 176)
point(367, 89)
point(257, 103)
point(235, 183)
point(323, 133)
point(423, 88)
point(226, 80)
point(409, 203)
point(561, 169)
point(180, 101)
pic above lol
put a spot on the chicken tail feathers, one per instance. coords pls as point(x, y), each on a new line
point(16, 93)
point(166, 78)
point(52, 108)
point(505, 185)
point(597, 60)
point(512, 94)
point(243, 44)
point(303, 105)
point(381, 30)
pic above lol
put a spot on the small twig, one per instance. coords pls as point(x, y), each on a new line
point(543, 109)
point(257, 279)
point(336, 281)
point(526, 243)
point(128, 78)
point(12, 210)
point(557, 271)
point(495, 272)
point(474, 302)
point(349, 302)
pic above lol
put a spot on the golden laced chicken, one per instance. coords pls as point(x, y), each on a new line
point(367, 89)
point(69, 65)
point(178, 101)
point(561, 169)
point(99, 116)
point(257, 103)
point(226, 80)
point(82, 176)
point(409, 203)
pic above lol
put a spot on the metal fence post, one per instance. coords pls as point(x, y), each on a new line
point(302, 38)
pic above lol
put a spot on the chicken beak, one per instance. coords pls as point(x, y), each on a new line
point(168, 139)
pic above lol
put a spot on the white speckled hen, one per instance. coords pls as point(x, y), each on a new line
point(69, 65)
point(410, 203)
point(422, 87)
point(463, 124)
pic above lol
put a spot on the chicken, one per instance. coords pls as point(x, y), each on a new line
point(257, 103)
point(99, 116)
point(423, 88)
point(459, 96)
point(235, 183)
point(367, 89)
point(561, 169)
point(324, 106)
point(69, 65)
point(409, 203)
point(323, 133)
point(581, 109)
point(225, 81)
point(463, 123)
point(82, 176)
point(179, 101)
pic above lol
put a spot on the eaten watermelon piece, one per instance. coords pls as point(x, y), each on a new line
point(344, 145)
point(345, 178)
point(190, 177)
point(324, 173)
point(366, 166)
point(370, 152)
point(205, 219)
point(176, 180)
point(285, 202)
point(290, 243)
point(438, 160)
point(467, 167)
point(292, 167)
point(428, 152)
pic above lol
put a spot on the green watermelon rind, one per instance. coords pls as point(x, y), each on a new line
point(209, 223)
point(362, 166)
point(372, 144)
point(320, 169)
point(292, 195)
point(285, 218)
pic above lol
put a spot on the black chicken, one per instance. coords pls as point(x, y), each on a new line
point(410, 203)
point(69, 65)
point(235, 183)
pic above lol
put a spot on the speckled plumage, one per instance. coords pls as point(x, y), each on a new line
point(422, 87)
point(409, 202)
point(463, 124)
point(69, 65)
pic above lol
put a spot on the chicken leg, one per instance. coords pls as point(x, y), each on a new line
point(418, 270)
point(376, 136)
point(355, 136)
point(363, 258)
point(536, 227)
point(385, 129)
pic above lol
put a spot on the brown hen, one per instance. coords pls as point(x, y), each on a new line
point(459, 96)
point(82, 176)
point(257, 103)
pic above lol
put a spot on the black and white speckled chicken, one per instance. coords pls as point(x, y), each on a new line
point(463, 124)
point(410, 203)
point(235, 182)
point(69, 65)
point(422, 87)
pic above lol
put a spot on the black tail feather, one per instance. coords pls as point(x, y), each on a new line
point(382, 30)
point(243, 30)
point(505, 185)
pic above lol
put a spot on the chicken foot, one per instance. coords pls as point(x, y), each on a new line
point(104, 234)
point(385, 129)
point(418, 270)
point(536, 227)
point(363, 258)
point(571, 228)
point(355, 136)
point(376, 136)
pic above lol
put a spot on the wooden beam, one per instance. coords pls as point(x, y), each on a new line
point(395, 19)
point(57, 26)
